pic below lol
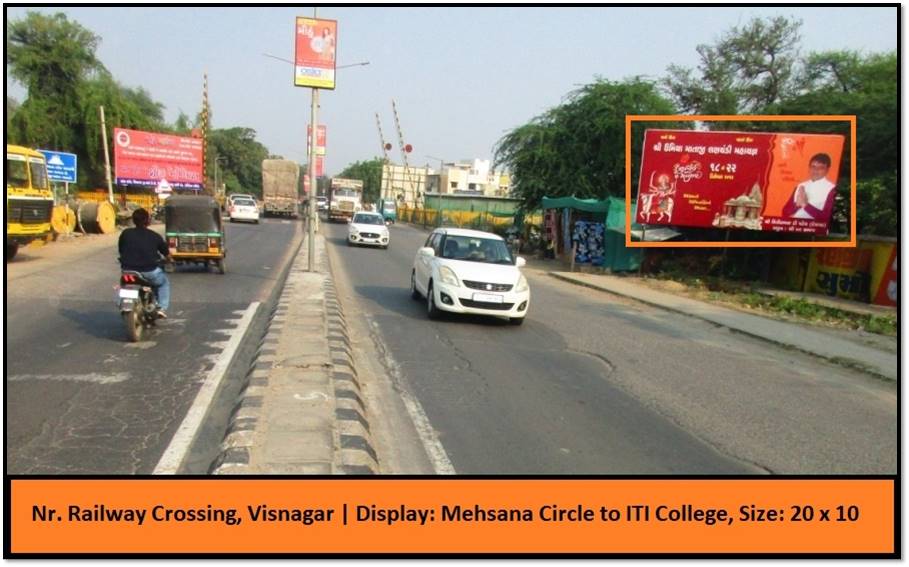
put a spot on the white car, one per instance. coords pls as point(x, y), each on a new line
point(235, 196)
point(368, 228)
point(243, 210)
point(468, 271)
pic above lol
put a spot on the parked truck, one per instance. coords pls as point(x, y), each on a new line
point(29, 198)
point(345, 198)
point(280, 178)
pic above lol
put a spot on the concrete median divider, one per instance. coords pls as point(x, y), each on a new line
point(302, 410)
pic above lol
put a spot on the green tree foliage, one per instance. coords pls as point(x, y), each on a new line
point(123, 108)
point(52, 57)
point(12, 105)
point(370, 173)
point(55, 59)
point(750, 69)
point(242, 166)
point(578, 148)
point(846, 83)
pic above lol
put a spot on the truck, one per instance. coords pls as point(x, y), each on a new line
point(29, 198)
point(280, 178)
point(345, 198)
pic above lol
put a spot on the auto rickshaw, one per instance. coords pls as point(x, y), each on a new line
point(193, 229)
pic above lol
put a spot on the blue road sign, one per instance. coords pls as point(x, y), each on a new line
point(60, 166)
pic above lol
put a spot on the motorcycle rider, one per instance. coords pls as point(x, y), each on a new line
point(139, 252)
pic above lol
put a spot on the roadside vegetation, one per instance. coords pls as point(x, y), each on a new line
point(747, 296)
point(578, 147)
point(55, 59)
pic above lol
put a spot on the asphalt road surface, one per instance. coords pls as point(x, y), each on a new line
point(595, 384)
point(81, 399)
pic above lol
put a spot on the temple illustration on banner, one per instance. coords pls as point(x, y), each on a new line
point(743, 211)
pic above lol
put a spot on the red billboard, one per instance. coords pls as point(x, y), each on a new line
point(316, 42)
point(777, 182)
point(320, 139)
point(148, 158)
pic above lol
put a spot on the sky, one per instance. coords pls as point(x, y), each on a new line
point(461, 77)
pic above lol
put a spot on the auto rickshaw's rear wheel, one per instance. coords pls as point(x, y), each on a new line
point(222, 267)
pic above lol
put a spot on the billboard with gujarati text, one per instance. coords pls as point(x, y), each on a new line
point(148, 158)
point(316, 42)
point(775, 182)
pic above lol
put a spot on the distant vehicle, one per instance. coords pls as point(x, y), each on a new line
point(388, 209)
point(280, 182)
point(231, 198)
point(29, 199)
point(244, 210)
point(345, 198)
point(322, 203)
point(368, 228)
point(468, 271)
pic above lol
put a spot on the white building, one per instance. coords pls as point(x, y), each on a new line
point(462, 177)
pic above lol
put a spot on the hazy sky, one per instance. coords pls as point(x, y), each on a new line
point(461, 77)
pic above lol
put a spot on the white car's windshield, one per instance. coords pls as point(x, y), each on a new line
point(244, 203)
point(368, 219)
point(474, 249)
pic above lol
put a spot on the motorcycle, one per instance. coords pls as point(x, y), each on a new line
point(138, 304)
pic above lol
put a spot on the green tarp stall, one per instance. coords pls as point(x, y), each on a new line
point(586, 205)
point(611, 211)
point(618, 257)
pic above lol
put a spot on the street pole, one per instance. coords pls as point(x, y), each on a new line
point(312, 173)
point(110, 185)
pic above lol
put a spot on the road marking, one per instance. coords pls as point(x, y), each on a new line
point(436, 453)
point(179, 446)
point(93, 377)
point(310, 397)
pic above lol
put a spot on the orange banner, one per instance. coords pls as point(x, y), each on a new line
point(451, 516)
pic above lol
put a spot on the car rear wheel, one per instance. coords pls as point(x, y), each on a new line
point(431, 310)
point(414, 293)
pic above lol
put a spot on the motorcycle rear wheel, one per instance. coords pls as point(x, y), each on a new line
point(133, 325)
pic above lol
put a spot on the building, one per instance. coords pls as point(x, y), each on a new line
point(470, 178)
point(463, 178)
point(405, 185)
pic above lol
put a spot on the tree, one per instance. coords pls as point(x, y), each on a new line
point(578, 148)
point(846, 83)
point(242, 168)
point(12, 105)
point(52, 57)
point(370, 173)
point(749, 70)
point(123, 108)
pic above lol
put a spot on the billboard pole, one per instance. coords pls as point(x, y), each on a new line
point(312, 173)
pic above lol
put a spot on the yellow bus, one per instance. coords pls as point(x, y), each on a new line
point(29, 198)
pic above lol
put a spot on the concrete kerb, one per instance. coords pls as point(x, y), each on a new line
point(839, 360)
point(302, 410)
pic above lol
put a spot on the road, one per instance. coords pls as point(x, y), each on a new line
point(595, 384)
point(80, 399)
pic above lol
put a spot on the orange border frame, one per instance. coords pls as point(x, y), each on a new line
point(629, 119)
